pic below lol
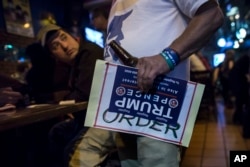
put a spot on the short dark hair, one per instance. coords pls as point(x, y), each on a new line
point(100, 11)
point(51, 35)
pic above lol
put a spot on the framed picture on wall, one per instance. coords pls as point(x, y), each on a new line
point(17, 17)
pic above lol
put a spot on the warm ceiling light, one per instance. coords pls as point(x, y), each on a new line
point(26, 25)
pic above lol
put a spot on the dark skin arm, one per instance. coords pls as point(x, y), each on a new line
point(201, 27)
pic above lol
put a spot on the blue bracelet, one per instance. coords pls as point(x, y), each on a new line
point(173, 56)
point(168, 61)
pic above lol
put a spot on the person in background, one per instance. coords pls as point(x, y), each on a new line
point(25, 146)
point(200, 72)
point(12, 96)
point(239, 80)
point(81, 145)
point(221, 75)
point(11, 91)
point(48, 77)
point(99, 19)
point(156, 31)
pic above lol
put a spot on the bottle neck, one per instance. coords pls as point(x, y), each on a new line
point(125, 57)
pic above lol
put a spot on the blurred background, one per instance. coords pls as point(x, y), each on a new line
point(20, 21)
point(74, 15)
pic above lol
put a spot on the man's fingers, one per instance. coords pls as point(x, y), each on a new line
point(145, 77)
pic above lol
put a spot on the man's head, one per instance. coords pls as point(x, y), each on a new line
point(99, 18)
point(61, 44)
point(230, 53)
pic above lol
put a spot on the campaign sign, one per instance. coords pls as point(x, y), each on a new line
point(167, 112)
point(163, 103)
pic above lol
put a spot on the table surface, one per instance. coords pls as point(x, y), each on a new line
point(19, 117)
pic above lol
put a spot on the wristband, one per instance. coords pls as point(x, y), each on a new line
point(171, 57)
point(168, 61)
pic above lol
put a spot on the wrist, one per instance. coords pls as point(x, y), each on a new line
point(171, 57)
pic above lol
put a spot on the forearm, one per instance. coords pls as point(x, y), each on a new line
point(198, 32)
point(202, 26)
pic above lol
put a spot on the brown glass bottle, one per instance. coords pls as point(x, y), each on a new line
point(125, 57)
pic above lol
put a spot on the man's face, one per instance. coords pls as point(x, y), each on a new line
point(64, 47)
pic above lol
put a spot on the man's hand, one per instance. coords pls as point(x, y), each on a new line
point(148, 69)
point(8, 96)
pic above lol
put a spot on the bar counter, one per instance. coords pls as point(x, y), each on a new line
point(24, 116)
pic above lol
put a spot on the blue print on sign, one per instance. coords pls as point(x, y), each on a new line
point(162, 104)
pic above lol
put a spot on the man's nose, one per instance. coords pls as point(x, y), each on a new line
point(64, 45)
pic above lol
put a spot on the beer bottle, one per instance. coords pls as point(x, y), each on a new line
point(125, 57)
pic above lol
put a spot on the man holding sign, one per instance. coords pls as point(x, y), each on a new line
point(162, 34)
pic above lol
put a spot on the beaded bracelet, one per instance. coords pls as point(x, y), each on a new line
point(171, 57)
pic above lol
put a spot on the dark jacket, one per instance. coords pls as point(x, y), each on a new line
point(238, 80)
point(83, 71)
